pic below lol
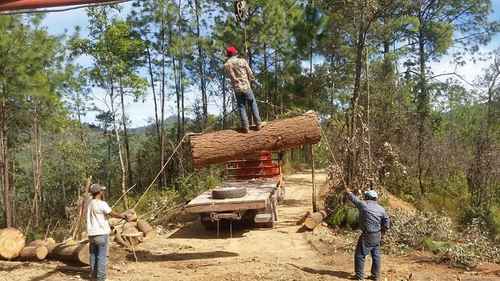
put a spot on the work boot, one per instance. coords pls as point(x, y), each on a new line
point(258, 127)
point(374, 277)
point(244, 130)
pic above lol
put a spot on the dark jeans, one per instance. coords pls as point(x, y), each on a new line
point(368, 243)
point(98, 256)
point(242, 98)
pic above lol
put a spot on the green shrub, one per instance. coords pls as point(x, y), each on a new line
point(345, 217)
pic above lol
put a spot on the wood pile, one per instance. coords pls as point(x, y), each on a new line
point(13, 244)
point(132, 233)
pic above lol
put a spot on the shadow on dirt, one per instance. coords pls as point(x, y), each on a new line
point(147, 256)
point(196, 230)
point(338, 274)
point(69, 271)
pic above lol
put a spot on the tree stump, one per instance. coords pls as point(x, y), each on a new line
point(227, 145)
point(12, 242)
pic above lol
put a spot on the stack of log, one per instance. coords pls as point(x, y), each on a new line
point(13, 244)
point(132, 232)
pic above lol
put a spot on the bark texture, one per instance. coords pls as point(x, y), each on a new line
point(50, 244)
point(227, 145)
point(12, 242)
point(38, 253)
point(72, 252)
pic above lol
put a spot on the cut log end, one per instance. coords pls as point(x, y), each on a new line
point(314, 219)
point(12, 242)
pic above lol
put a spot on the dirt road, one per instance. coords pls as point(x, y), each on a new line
point(282, 253)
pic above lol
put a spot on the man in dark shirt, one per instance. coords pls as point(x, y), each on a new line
point(374, 222)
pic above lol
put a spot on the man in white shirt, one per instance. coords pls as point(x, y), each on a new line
point(98, 230)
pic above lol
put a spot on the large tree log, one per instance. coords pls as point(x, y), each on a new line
point(314, 220)
point(72, 252)
point(223, 146)
point(12, 242)
point(37, 253)
point(50, 244)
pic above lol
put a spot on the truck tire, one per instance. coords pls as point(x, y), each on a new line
point(230, 192)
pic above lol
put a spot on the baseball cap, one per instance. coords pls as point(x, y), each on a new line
point(96, 188)
point(371, 194)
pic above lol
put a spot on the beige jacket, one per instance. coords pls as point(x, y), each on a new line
point(240, 74)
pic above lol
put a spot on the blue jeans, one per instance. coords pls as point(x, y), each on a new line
point(98, 256)
point(242, 98)
point(368, 243)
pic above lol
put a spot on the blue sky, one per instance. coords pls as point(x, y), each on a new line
point(140, 112)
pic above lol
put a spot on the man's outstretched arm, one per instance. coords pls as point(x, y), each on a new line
point(354, 199)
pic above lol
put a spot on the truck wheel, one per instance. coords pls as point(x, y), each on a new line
point(231, 192)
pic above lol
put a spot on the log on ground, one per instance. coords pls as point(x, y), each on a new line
point(147, 229)
point(72, 252)
point(36, 253)
point(314, 220)
point(280, 135)
point(12, 242)
point(50, 244)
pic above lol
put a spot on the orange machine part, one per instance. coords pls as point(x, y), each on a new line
point(12, 5)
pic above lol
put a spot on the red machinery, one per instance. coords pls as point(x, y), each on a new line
point(258, 166)
point(14, 5)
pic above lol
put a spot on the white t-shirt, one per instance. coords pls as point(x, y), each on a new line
point(97, 223)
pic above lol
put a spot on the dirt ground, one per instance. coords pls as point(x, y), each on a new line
point(283, 253)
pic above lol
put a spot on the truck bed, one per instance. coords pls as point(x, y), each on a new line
point(258, 197)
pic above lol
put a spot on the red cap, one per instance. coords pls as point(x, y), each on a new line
point(231, 51)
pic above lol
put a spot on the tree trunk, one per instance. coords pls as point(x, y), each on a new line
point(38, 253)
point(120, 150)
point(352, 124)
point(126, 140)
point(36, 164)
point(72, 252)
point(222, 146)
point(4, 164)
point(201, 65)
point(421, 109)
point(12, 241)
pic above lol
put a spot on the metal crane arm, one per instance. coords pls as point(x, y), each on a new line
point(15, 5)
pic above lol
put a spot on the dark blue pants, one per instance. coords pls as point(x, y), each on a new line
point(368, 244)
point(98, 256)
point(242, 98)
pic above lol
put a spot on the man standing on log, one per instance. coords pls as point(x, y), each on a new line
point(241, 76)
point(374, 222)
point(98, 230)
